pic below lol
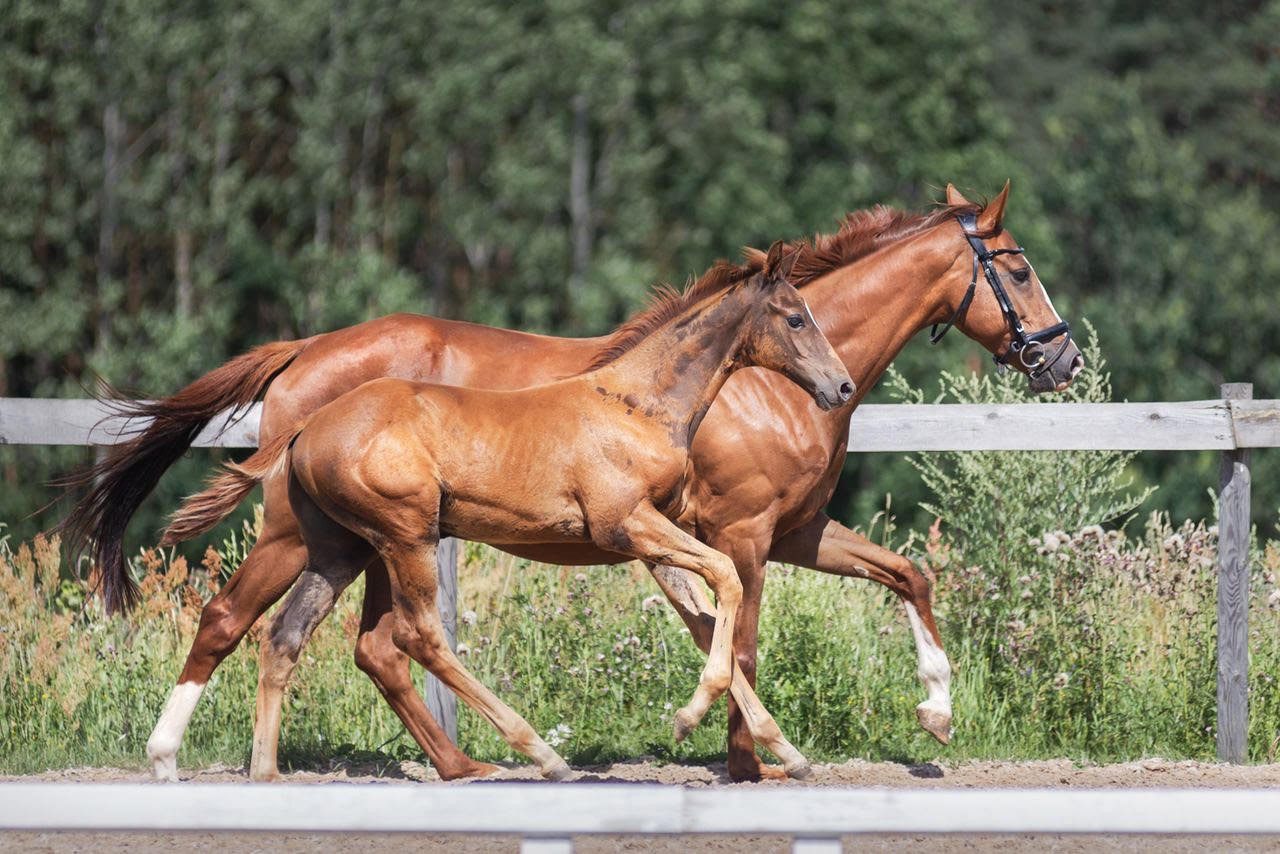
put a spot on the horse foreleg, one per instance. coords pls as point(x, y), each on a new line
point(749, 550)
point(826, 545)
point(388, 667)
point(756, 725)
point(270, 567)
point(648, 535)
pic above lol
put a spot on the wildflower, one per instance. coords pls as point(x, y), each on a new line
point(581, 578)
point(651, 602)
point(1061, 681)
point(468, 618)
point(559, 734)
point(463, 649)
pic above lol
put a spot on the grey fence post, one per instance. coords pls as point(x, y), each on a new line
point(441, 702)
point(1233, 595)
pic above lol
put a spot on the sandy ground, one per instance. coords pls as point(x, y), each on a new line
point(1057, 773)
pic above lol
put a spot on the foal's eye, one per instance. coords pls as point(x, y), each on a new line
point(1021, 275)
point(795, 321)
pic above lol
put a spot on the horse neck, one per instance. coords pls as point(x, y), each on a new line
point(870, 309)
point(675, 373)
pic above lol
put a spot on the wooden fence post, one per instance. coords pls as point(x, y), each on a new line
point(1233, 595)
point(441, 702)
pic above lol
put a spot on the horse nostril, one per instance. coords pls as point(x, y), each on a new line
point(846, 391)
point(1077, 365)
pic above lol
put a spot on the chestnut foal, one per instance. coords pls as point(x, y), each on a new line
point(387, 469)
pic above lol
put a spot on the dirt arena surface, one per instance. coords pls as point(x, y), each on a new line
point(977, 774)
point(1054, 774)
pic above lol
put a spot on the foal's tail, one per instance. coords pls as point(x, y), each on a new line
point(226, 490)
point(129, 473)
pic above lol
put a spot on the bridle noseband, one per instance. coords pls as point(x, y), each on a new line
point(1029, 349)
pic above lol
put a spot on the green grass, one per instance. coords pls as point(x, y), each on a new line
point(1110, 658)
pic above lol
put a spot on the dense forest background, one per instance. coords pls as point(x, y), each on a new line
point(182, 181)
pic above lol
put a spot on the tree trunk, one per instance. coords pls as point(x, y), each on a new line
point(582, 230)
point(113, 129)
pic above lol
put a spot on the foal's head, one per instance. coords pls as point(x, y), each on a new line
point(781, 335)
point(1008, 310)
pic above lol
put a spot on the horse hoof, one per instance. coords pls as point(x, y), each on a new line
point(165, 769)
point(802, 771)
point(936, 723)
point(481, 769)
point(558, 773)
point(683, 724)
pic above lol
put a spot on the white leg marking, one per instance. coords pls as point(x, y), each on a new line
point(166, 738)
point(934, 669)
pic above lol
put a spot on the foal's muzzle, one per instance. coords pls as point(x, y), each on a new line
point(834, 394)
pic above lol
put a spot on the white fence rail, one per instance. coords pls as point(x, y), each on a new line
point(1208, 425)
point(1233, 425)
point(554, 812)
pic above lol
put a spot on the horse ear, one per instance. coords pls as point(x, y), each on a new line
point(954, 196)
point(787, 264)
point(993, 214)
point(773, 259)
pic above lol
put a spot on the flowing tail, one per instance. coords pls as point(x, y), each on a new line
point(121, 482)
point(202, 511)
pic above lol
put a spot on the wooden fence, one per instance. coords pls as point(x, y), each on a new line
point(1233, 425)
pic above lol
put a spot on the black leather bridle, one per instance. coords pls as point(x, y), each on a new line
point(1028, 349)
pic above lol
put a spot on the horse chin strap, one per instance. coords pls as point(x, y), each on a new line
point(1028, 350)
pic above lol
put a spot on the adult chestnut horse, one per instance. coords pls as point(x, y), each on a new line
point(763, 467)
point(601, 458)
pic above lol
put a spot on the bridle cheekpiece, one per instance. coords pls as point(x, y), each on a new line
point(1027, 349)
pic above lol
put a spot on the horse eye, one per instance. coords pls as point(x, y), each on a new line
point(795, 321)
point(1021, 275)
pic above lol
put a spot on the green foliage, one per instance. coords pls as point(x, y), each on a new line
point(1108, 656)
point(183, 182)
point(996, 505)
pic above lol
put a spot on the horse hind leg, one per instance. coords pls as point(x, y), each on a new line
point(388, 667)
point(337, 556)
point(419, 631)
point(826, 545)
point(268, 570)
point(310, 601)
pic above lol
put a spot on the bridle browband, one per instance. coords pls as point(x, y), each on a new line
point(1029, 349)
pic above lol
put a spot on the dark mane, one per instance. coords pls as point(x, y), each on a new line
point(666, 304)
point(861, 233)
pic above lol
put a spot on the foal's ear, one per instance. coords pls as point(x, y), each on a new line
point(955, 197)
point(993, 214)
point(773, 259)
point(778, 263)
